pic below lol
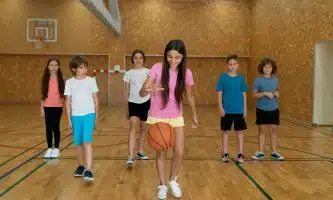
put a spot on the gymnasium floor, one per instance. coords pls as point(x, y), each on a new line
point(307, 172)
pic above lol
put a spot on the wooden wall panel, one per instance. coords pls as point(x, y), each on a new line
point(21, 76)
point(208, 28)
point(288, 32)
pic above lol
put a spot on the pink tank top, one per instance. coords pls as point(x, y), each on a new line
point(53, 98)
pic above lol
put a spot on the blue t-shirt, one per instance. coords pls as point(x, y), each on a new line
point(232, 96)
point(265, 84)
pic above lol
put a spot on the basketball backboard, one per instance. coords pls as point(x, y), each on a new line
point(38, 29)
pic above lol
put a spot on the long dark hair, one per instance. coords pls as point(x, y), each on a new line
point(177, 45)
point(46, 80)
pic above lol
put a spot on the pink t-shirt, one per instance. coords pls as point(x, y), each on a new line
point(53, 97)
point(156, 107)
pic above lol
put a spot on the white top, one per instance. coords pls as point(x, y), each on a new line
point(82, 95)
point(136, 78)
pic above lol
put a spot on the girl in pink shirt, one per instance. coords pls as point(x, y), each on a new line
point(167, 83)
point(51, 105)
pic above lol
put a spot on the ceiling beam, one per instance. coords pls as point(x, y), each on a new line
point(110, 17)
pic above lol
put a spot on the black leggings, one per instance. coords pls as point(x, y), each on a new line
point(52, 122)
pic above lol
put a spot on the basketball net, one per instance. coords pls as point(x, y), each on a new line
point(39, 43)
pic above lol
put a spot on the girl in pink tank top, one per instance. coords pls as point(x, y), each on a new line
point(167, 83)
point(51, 105)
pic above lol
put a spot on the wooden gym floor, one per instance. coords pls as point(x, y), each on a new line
point(307, 172)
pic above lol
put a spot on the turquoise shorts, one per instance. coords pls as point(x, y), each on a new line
point(83, 128)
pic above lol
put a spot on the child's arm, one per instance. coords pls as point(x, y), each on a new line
point(259, 95)
point(219, 101)
point(42, 108)
point(245, 104)
point(96, 102)
point(219, 89)
point(191, 101)
point(69, 112)
point(147, 84)
point(276, 94)
point(127, 86)
point(256, 90)
point(148, 87)
point(126, 79)
point(244, 90)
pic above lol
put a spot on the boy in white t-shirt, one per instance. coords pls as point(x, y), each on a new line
point(137, 107)
point(82, 112)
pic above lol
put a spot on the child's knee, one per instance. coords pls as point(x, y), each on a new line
point(240, 133)
point(86, 144)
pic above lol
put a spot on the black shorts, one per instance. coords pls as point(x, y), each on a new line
point(139, 110)
point(267, 117)
point(236, 119)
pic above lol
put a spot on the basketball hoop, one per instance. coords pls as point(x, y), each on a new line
point(39, 42)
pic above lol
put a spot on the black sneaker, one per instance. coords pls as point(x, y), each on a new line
point(88, 176)
point(142, 156)
point(240, 158)
point(225, 157)
point(79, 171)
point(277, 156)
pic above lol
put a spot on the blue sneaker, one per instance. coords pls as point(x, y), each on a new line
point(79, 171)
point(88, 176)
point(258, 156)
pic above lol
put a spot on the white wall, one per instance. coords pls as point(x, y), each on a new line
point(323, 84)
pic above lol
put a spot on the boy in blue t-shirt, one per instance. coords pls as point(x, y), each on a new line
point(231, 91)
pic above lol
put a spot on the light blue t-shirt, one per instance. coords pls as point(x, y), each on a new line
point(232, 96)
point(266, 84)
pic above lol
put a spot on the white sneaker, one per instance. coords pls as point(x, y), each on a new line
point(162, 192)
point(55, 153)
point(48, 153)
point(130, 162)
point(176, 191)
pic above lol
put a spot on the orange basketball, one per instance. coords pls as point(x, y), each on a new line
point(161, 136)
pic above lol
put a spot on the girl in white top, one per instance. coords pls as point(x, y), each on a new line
point(137, 107)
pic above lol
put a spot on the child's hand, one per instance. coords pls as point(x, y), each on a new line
point(70, 127)
point(96, 123)
point(244, 114)
point(270, 95)
point(195, 122)
point(154, 88)
point(222, 113)
point(42, 113)
point(276, 93)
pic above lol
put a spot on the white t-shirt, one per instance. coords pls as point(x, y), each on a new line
point(82, 95)
point(136, 78)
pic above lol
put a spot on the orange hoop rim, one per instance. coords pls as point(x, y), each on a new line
point(39, 43)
